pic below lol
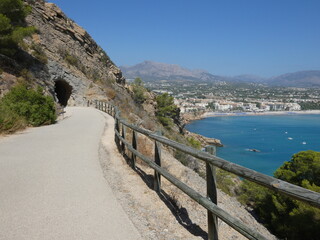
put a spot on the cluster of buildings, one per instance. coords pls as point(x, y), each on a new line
point(195, 105)
point(225, 106)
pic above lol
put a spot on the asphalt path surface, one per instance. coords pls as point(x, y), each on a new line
point(52, 184)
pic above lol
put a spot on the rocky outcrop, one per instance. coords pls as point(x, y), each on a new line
point(205, 140)
point(61, 51)
point(79, 86)
point(189, 117)
point(60, 36)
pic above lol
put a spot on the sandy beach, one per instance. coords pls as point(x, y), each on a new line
point(222, 114)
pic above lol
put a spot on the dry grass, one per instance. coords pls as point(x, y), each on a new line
point(111, 93)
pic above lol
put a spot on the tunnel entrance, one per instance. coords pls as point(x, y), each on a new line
point(63, 91)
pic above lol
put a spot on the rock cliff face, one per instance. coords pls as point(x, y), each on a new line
point(68, 55)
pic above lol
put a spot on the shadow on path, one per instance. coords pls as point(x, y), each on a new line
point(180, 213)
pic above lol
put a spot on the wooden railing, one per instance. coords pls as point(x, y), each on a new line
point(209, 202)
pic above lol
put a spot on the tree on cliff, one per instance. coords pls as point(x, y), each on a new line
point(288, 218)
point(138, 91)
point(167, 111)
point(12, 25)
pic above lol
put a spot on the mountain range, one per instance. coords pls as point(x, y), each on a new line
point(154, 71)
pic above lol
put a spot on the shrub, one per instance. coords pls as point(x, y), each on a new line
point(138, 91)
point(167, 111)
point(111, 93)
point(194, 143)
point(227, 182)
point(26, 75)
point(288, 218)
point(12, 29)
point(10, 121)
point(22, 106)
point(39, 54)
point(72, 60)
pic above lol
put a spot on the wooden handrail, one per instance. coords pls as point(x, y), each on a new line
point(291, 190)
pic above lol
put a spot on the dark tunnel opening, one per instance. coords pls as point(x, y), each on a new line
point(63, 91)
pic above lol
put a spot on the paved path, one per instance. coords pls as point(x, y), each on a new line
point(52, 185)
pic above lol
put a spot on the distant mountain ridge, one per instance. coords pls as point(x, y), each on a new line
point(298, 79)
point(154, 71)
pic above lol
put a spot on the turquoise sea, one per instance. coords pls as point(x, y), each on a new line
point(276, 137)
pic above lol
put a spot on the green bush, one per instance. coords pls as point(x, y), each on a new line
point(26, 75)
point(138, 91)
point(285, 217)
point(226, 181)
point(72, 60)
point(39, 54)
point(194, 143)
point(22, 106)
point(12, 25)
point(167, 112)
point(10, 121)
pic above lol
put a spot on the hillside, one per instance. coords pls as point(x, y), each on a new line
point(297, 79)
point(153, 71)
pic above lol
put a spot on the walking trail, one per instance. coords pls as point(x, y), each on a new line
point(52, 185)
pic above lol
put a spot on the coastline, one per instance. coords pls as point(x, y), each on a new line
point(188, 118)
point(217, 142)
point(221, 114)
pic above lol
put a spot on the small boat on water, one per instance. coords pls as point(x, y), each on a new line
point(254, 150)
point(290, 138)
point(304, 143)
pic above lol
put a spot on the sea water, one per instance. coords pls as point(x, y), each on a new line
point(276, 138)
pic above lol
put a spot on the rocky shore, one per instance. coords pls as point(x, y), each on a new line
point(190, 117)
point(205, 140)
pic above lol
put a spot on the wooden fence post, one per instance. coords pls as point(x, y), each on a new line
point(134, 145)
point(117, 129)
point(212, 195)
point(157, 160)
point(123, 135)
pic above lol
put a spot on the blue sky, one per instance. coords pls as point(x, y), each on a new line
point(225, 37)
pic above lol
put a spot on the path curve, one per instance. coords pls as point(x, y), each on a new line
point(52, 185)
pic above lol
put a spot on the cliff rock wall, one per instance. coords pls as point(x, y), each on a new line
point(71, 55)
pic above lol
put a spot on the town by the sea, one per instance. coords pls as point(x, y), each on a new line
point(262, 143)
